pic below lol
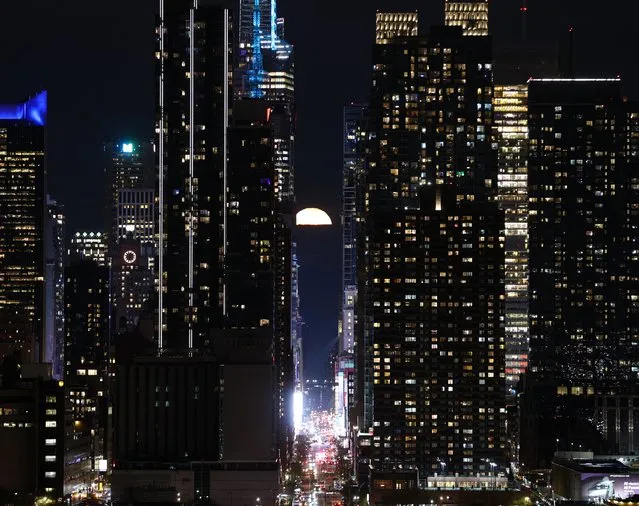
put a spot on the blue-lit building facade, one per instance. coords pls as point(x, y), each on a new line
point(22, 223)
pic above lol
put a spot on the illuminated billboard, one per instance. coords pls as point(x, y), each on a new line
point(602, 487)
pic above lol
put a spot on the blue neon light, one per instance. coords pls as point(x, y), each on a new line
point(256, 68)
point(127, 147)
point(33, 111)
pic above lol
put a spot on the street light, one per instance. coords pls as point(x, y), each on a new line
point(492, 468)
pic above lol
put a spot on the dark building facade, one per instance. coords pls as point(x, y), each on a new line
point(31, 431)
point(185, 425)
point(167, 410)
point(86, 371)
point(250, 250)
point(22, 223)
point(258, 251)
point(583, 261)
point(194, 55)
point(56, 254)
point(431, 280)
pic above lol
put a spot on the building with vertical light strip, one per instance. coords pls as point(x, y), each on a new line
point(22, 223)
point(194, 56)
point(510, 108)
point(471, 15)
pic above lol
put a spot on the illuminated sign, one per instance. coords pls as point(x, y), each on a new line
point(602, 487)
point(127, 147)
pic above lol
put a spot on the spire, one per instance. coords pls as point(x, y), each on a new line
point(256, 70)
point(524, 19)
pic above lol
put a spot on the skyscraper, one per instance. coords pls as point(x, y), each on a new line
point(135, 216)
point(354, 115)
point(471, 15)
point(297, 322)
point(510, 107)
point(265, 69)
point(353, 123)
point(583, 262)
point(258, 251)
point(133, 254)
point(22, 224)
point(431, 259)
point(31, 432)
point(128, 164)
point(193, 68)
point(250, 250)
point(86, 370)
point(56, 255)
point(90, 245)
point(265, 59)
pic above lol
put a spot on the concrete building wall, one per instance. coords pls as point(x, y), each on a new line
point(155, 486)
point(248, 412)
point(243, 488)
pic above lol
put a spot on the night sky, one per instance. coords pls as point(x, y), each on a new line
point(96, 60)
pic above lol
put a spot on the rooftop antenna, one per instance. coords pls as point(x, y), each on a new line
point(524, 19)
point(571, 52)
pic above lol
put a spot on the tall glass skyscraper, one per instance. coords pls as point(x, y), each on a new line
point(194, 58)
point(22, 222)
point(511, 121)
point(265, 69)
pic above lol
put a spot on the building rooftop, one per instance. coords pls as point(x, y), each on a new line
point(603, 466)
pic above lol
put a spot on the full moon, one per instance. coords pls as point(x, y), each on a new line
point(312, 216)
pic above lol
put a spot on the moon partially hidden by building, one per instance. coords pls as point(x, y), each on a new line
point(312, 217)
